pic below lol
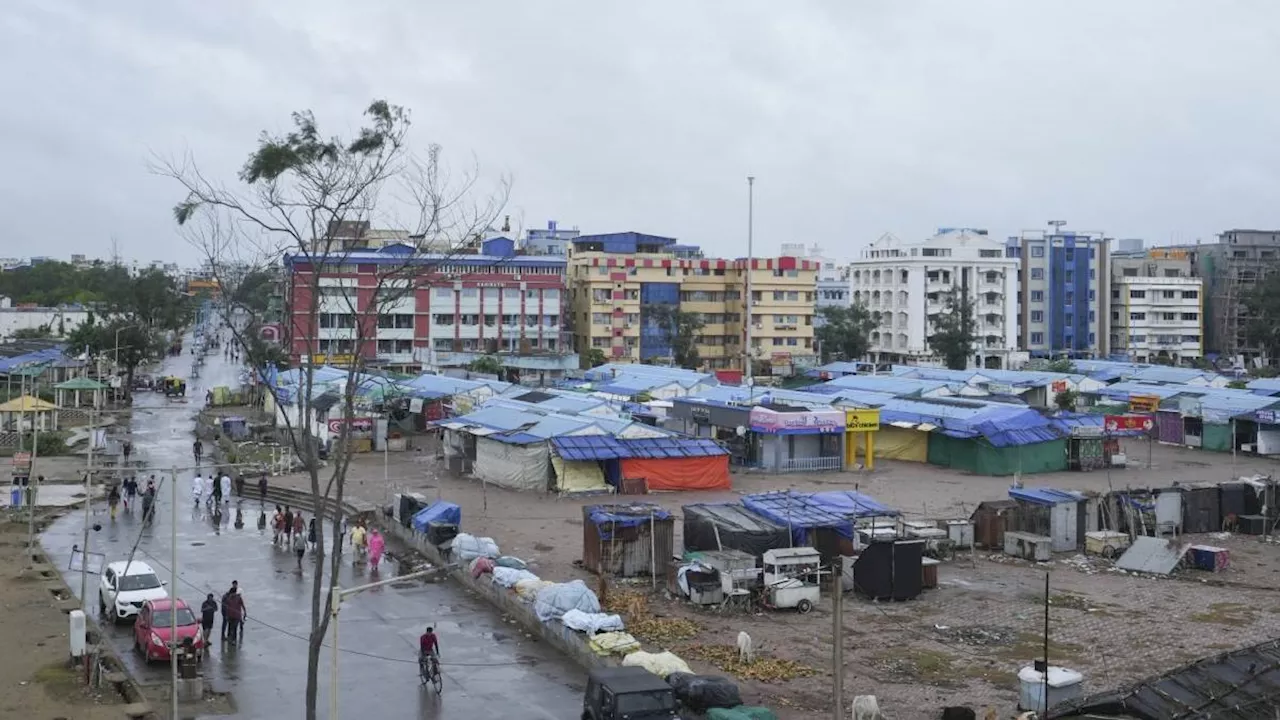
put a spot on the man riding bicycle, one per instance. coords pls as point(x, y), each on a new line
point(429, 650)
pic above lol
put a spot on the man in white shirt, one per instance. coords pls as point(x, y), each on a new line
point(197, 489)
point(226, 488)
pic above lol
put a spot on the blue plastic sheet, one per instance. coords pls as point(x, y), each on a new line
point(437, 512)
point(608, 517)
point(803, 512)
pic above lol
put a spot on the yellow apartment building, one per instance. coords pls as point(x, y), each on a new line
point(612, 278)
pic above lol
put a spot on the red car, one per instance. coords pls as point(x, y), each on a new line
point(152, 631)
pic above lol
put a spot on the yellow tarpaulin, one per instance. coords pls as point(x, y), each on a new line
point(576, 477)
point(895, 443)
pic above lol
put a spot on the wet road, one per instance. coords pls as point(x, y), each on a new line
point(490, 669)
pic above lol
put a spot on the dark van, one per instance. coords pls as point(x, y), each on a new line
point(627, 693)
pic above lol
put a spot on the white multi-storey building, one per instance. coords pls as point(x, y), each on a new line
point(1157, 307)
point(907, 284)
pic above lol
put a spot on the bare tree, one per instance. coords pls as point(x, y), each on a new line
point(308, 198)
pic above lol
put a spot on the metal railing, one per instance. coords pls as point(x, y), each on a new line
point(811, 464)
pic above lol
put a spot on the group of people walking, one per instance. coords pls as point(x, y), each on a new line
point(290, 530)
point(234, 614)
point(126, 492)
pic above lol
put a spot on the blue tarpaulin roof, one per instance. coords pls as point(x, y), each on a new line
point(439, 511)
point(802, 511)
point(606, 518)
point(1045, 496)
point(605, 447)
point(1000, 424)
point(32, 358)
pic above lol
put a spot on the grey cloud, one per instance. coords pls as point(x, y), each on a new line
point(1146, 118)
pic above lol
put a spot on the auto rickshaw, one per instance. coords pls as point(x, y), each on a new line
point(175, 387)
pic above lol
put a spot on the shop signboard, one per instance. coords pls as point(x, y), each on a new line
point(357, 424)
point(862, 420)
point(764, 420)
point(1144, 403)
point(1123, 423)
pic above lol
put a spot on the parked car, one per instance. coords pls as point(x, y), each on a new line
point(627, 693)
point(153, 632)
point(125, 586)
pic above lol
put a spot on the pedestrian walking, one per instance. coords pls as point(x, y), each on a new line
point(262, 521)
point(208, 609)
point(346, 528)
point(226, 487)
point(234, 611)
point(197, 490)
point(376, 544)
point(239, 485)
point(288, 526)
point(127, 447)
point(277, 526)
point(359, 540)
point(226, 619)
point(113, 500)
point(311, 533)
point(299, 548)
point(216, 494)
point(262, 488)
point(239, 518)
point(299, 526)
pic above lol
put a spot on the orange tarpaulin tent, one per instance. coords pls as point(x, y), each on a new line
point(689, 473)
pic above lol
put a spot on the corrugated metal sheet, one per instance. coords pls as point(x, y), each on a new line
point(1045, 496)
point(630, 540)
point(605, 447)
point(1241, 684)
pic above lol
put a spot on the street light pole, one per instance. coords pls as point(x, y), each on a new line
point(337, 594)
point(173, 585)
point(88, 501)
point(748, 373)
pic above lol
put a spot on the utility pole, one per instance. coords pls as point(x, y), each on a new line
point(748, 373)
point(837, 636)
point(88, 502)
point(31, 494)
point(173, 586)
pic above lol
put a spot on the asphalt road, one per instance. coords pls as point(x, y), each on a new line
point(490, 668)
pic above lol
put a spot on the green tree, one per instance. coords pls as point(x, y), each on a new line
point(32, 333)
point(594, 357)
point(120, 340)
point(1066, 400)
point(680, 331)
point(1062, 365)
point(953, 331)
point(487, 364)
point(253, 291)
point(844, 332)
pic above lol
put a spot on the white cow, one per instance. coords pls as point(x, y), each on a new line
point(745, 653)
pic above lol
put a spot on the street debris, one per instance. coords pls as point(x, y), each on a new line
point(764, 668)
point(643, 624)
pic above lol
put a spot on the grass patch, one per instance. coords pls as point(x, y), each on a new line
point(1031, 646)
point(764, 667)
point(1226, 613)
point(1070, 601)
point(932, 667)
point(58, 680)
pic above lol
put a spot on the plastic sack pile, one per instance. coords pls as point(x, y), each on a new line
point(469, 547)
point(555, 600)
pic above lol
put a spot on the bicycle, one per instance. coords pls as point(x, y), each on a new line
point(429, 672)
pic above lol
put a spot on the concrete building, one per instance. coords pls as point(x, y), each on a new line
point(57, 321)
point(1064, 297)
point(906, 286)
point(1229, 268)
point(1157, 307)
point(554, 240)
point(614, 279)
point(435, 311)
point(833, 278)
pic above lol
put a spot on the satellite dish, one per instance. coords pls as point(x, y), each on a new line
point(740, 430)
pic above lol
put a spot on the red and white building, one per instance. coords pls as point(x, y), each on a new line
point(420, 311)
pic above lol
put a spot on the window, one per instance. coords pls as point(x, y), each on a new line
point(399, 321)
point(1037, 273)
point(531, 320)
point(1069, 320)
point(551, 320)
point(792, 341)
point(444, 293)
point(1137, 294)
point(778, 295)
point(1070, 276)
point(551, 294)
point(1137, 338)
point(1037, 338)
point(1037, 316)
point(1092, 295)
point(1092, 338)
point(1168, 317)
point(512, 320)
point(340, 321)
point(470, 293)
point(490, 320)
point(531, 294)
point(1137, 316)
point(1037, 296)
point(1191, 338)
point(989, 253)
point(470, 319)
point(1190, 294)
point(1130, 272)
point(491, 293)
point(1037, 251)
point(777, 341)
point(597, 295)
point(1167, 294)
point(599, 342)
point(1190, 316)
point(1092, 316)
point(442, 319)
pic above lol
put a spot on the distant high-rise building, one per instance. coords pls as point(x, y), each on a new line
point(1230, 268)
point(551, 241)
point(1064, 297)
point(1157, 312)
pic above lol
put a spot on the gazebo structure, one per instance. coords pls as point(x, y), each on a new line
point(79, 390)
point(43, 414)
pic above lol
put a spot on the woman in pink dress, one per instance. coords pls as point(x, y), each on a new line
point(376, 544)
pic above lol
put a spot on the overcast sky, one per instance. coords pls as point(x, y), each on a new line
point(1143, 118)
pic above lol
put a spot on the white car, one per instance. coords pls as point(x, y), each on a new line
point(125, 587)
